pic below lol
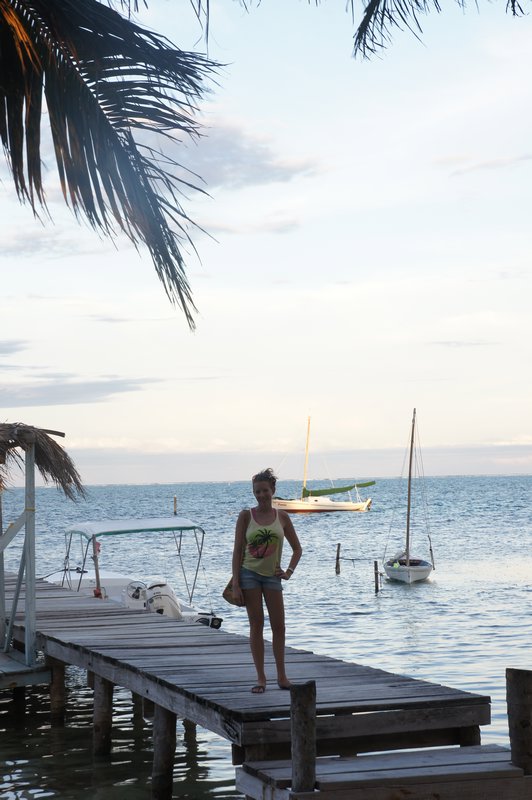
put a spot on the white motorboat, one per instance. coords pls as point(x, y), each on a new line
point(404, 567)
point(319, 500)
point(82, 571)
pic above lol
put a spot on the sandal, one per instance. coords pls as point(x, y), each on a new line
point(259, 688)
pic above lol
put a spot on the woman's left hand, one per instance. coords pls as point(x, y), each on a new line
point(283, 574)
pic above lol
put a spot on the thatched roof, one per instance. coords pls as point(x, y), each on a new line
point(54, 463)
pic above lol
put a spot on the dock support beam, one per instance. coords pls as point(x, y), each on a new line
point(57, 691)
point(303, 732)
point(164, 742)
point(103, 716)
point(519, 702)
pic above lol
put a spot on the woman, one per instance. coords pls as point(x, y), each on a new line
point(257, 573)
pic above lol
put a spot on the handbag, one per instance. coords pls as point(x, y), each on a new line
point(228, 595)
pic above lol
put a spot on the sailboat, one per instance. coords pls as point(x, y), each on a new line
point(405, 567)
point(315, 500)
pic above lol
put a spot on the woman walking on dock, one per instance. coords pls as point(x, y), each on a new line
point(257, 573)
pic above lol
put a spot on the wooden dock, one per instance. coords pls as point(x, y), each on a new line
point(14, 674)
point(465, 773)
point(205, 675)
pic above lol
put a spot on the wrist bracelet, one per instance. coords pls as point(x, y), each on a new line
point(289, 569)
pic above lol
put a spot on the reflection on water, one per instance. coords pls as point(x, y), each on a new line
point(43, 761)
point(461, 628)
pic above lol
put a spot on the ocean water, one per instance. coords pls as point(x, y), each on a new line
point(462, 628)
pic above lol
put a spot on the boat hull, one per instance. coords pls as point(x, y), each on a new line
point(417, 570)
point(309, 505)
point(152, 594)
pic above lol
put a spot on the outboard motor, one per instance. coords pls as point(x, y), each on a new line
point(161, 599)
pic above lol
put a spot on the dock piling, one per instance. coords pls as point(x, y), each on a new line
point(103, 716)
point(519, 702)
point(164, 744)
point(303, 732)
point(57, 691)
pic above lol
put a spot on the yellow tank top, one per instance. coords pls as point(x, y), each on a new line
point(264, 546)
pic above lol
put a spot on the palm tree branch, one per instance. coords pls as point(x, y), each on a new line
point(105, 80)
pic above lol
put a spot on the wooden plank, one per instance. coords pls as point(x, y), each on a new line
point(489, 789)
point(14, 673)
point(446, 764)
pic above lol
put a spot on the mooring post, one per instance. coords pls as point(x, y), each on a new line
point(164, 742)
point(103, 716)
point(376, 575)
point(303, 730)
point(57, 691)
point(519, 704)
point(337, 566)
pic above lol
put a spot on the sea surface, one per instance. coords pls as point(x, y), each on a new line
point(461, 628)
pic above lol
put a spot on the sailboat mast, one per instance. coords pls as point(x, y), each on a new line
point(409, 497)
point(306, 460)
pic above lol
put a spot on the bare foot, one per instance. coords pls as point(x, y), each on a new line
point(259, 688)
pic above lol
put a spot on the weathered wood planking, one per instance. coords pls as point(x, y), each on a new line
point(468, 773)
point(205, 675)
point(14, 674)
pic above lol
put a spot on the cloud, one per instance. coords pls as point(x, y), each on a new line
point(53, 392)
point(10, 346)
point(281, 225)
point(228, 157)
point(31, 240)
point(463, 343)
point(112, 320)
point(495, 163)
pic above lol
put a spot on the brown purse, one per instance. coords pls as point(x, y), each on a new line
point(228, 595)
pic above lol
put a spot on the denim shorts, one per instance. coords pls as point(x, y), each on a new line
point(252, 580)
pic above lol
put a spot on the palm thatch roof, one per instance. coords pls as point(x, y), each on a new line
point(52, 461)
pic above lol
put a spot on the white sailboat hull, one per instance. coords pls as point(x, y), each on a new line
point(319, 504)
point(416, 570)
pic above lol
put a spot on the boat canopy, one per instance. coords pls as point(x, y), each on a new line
point(334, 490)
point(118, 527)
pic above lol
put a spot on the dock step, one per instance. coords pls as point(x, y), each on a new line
point(14, 673)
point(472, 773)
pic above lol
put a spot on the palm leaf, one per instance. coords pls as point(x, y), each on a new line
point(52, 461)
point(106, 81)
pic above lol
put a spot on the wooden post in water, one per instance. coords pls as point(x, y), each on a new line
point(337, 567)
point(175, 505)
point(519, 703)
point(376, 574)
point(164, 742)
point(57, 691)
point(103, 716)
point(303, 733)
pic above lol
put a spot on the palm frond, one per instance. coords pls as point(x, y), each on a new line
point(105, 80)
point(380, 17)
point(52, 461)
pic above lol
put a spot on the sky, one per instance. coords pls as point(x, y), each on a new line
point(369, 252)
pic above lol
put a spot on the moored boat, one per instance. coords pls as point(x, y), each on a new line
point(152, 594)
point(319, 500)
point(404, 567)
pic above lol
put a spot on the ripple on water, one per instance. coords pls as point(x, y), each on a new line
point(463, 627)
